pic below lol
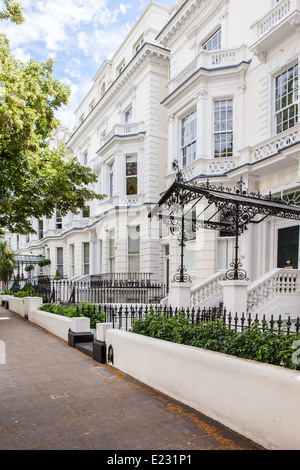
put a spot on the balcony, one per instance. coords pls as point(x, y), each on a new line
point(274, 26)
point(121, 201)
point(276, 144)
point(124, 130)
point(77, 224)
point(209, 60)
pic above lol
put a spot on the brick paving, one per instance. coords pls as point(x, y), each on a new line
point(53, 397)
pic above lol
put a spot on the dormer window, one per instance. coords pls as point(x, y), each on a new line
point(214, 42)
point(85, 158)
point(139, 45)
point(121, 68)
point(128, 115)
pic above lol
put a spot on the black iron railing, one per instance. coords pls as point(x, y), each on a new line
point(101, 291)
point(121, 316)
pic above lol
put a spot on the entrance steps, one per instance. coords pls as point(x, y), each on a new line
point(275, 293)
point(85, 348)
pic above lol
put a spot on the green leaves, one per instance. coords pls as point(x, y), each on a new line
point(12, 11)
point(35, 179)
point(255, 343)
point(7, 262)
point(85, 309)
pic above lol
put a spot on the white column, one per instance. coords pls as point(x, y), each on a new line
point(180, 295)
point(92, 252)
point(172, 154)
point(119, 174)
point(235, 296)
point(202, 124)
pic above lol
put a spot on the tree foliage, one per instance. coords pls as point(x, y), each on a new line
point(7, 263)
point(35, 178)
point(12, 11)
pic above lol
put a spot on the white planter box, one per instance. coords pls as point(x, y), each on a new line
point(259, 401)
point(22, 306)
point(55, 324)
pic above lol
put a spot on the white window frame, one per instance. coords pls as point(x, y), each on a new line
point(58, 220)
point(86, 258)
point(127, 177)
point(295, 103)
point(128, 114)
point(60, 266)
point(111, 179)
point(112, 250)
point(191, 144)
point(223, 131)
point(216, 38)
point(138, 45)
point(85, 157)
point(72, 259)
point(133, 255)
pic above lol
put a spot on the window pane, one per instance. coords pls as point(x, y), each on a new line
point(286, 96)
point(111, 243)
point(133, 240)
point(223, 126)
point(188, 139)
point(214, 42)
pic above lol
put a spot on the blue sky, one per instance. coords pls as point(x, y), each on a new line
point(78, 34)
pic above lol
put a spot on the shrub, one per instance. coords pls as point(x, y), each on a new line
point(255, 343)
point(85, 309)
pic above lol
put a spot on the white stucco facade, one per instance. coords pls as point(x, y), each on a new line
point(213, 84)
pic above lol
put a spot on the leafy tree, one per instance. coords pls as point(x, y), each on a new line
point(12, 11)
point(7, 263)
point(35, 178)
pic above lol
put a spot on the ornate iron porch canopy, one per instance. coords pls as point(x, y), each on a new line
point(222, 208)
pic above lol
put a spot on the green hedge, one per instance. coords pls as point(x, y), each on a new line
point(256, 344)
point(85, 309)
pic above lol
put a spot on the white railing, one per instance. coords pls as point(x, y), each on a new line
point(277, 143)
point(209, 59)
point(208, 292)
point(274, 17)
point(131, 200)
point(187, 73)
point(124, 129)
point(276, 283)
point(221, 165)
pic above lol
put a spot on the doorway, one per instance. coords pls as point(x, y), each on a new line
point(288, 247)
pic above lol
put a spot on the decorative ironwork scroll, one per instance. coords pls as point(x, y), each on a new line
point(235, 208)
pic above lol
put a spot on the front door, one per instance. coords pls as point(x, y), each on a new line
point(288, 247)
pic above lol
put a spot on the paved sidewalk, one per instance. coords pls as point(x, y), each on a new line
point(52, 397)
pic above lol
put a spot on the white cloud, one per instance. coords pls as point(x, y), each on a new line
point(21, 55)
point(78, 34)
point(51, 22)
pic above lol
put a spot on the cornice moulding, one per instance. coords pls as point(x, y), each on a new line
point(149, 52)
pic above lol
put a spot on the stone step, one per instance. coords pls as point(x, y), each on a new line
point(85, 348)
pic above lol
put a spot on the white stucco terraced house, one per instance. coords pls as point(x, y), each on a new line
point(214, 85)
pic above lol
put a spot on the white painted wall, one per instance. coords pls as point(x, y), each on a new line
point(257, 400)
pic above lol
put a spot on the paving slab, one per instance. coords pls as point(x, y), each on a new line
point(54, 397)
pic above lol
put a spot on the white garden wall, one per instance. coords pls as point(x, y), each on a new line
point(257, 400)
point(55, 324)
point(22, 306)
